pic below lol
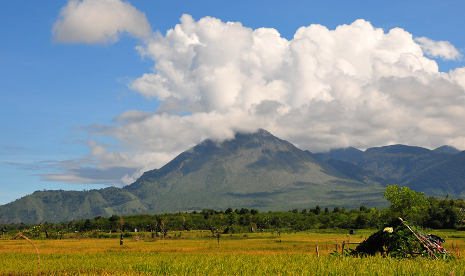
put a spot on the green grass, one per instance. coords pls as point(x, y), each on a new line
point(225, 264)
point(197, 253)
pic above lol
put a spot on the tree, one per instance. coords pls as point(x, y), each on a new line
point(317, 210)
point(243, 211)
point(162, 224)
point(406, 203)
point(114, 221)
point(87, 225)
point(361, 221)
point(232, 218)
point(121, 224)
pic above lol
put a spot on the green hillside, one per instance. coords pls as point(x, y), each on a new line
point(54, 206)
point(250, 171)
point(260, 171)
point(437, 172)
point(445, 178)
point(254, 171)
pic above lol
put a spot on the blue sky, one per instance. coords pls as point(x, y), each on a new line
point(51, 92)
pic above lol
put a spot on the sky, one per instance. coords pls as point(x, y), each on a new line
point(95, 92)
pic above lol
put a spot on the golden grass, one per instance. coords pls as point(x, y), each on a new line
point(197, 253)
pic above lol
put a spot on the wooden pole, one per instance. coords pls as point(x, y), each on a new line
point(418, 238)
point(317, 252)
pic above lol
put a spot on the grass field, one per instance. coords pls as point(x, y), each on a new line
point(196, 252)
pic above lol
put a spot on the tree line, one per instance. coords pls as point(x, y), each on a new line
point(408, 204)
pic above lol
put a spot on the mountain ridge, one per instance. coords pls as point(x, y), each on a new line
point(252, 170)
point(421, 169)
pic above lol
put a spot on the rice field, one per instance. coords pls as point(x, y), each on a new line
point(198, 253)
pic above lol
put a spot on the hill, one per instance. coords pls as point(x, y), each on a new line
point(256, 170)
point(444, 178)
point(56, 206)
point(437, 172)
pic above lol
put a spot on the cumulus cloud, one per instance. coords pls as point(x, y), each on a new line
point(99, 21)
point(458, 76)
point(356, 85)
point(441, 49)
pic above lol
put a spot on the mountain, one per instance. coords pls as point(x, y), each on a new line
point(255, 170)
point(55, 206)
point(436, 172)
point(446, 149)
point(396, 163)
point(350, 154)
point(445, 178)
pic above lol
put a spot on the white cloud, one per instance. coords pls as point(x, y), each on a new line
point(442, 49)
point(99, 21)
point(356, 85)
point(458, 76)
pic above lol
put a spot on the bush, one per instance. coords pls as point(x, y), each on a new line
point(396, 241)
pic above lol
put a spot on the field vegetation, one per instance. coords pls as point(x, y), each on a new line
point(414, 207)
point(307, 242)
point(198, 252)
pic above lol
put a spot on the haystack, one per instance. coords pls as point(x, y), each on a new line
point(403, 241)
